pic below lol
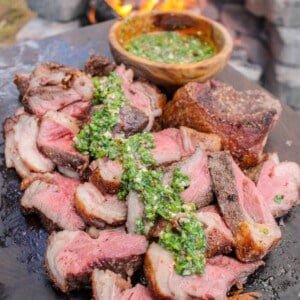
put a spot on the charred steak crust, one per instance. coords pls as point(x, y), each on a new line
point(242, 119)
point(99, 65)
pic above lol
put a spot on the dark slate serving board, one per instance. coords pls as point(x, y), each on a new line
point(23, 240)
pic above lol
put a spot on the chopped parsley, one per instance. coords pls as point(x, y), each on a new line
point(184, 237)
point(278, 199)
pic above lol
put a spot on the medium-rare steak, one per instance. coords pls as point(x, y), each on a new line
point(26, 133)
point(71, 256)
point(54, 86)
point(243, 120)
point(99, 65)
point(55, 140)
point(221, 273)
point(98, 209)
point(243, 208)
point(135, 210)
point(200, 189)
point(219, 239)
point(51, 196)
point(109, 285)
point(106, 175)
point(279, 184)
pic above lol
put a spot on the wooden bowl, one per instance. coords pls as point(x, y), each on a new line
point(166, 74)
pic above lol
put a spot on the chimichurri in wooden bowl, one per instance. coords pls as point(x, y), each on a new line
point(171, 48)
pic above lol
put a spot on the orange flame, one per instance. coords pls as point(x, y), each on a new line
point(149, 5)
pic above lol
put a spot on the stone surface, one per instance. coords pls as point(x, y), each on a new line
point(284, 82)
point(39, 28)
point(251, 71)
point(237, 18)
point(285, 44)
point(281, 12)
point(59, 10)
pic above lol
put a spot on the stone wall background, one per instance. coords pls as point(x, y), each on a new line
point(266, 34)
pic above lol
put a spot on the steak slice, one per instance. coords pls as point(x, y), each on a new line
point(219, 239)
point(71, 256)
point(243, 120)
point(135, 210)
point(12, 156)
point(26, 133)
point(109, 285)
point(200, 189)
point(55, 140)
point(106, 175)
point(221, 273)
point(279, 184)
point(99, 65)
point(52, 197)
point(22, 82)
point(98, 209)
point(243, 208)
point(54, 86)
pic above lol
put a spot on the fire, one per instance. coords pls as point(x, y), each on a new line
point(149, 5)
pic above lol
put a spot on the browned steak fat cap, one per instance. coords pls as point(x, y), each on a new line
point(55, 139)
point(56, 87)
point(200, 189)
point(219, 239)
point(279, 183)
point(221, 273)
point(109, 285)
point(99, 209)
point(243, 208)
point(70, 265)
point(51, 196)
point(22, 82)
point(243, 120)
point(99, 65)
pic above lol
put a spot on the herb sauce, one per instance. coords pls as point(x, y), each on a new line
point(170, 47)
point(184, 237)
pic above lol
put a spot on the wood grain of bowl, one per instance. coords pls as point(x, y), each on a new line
point(166, 74)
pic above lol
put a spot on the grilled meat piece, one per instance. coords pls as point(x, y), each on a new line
point(98, 209)
point(279, 184)
point(243, 208)
point(221, 273)
point(219, 239)
point(135, 210)
point(200, 189)
point(55, 139)
point(243, 120)
point(99, 65)
point(106, 175)
point(70, 265)
point(54, 87)
point(52, 197)
point(109, 285)
point(22, 82)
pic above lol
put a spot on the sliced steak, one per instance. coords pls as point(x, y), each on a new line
point(279, 184)
point(99, 65)
point(200, 189)
point(142, 95)
point(54, 86)
point(26, 133)
point(98, 209)
point(12, 156)
point(70, 265)
point(22, 82)
point(106, 175)
point(243, 120)
point(221, 273)
point(109, 285)
point(55, 139)
point(52, 197)
point(243, 208)
point(219, 239)
point(135, 210)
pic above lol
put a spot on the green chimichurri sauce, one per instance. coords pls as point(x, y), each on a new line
point(184, 237)
point(170, 47)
